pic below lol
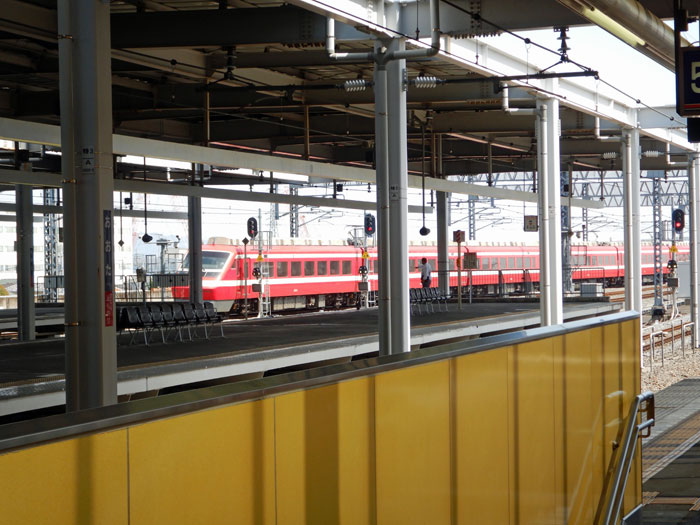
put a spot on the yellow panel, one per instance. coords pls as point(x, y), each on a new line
point(598, 401)
point(614, 416)
point(325, 462)
point(79, 481)
point(579, 436)
point(536, 497)
point(559, 370)
point(357, 463)
point(413, 445)
point(631, 381)
point(215, 466)
point(481, 441)
point(290, 449)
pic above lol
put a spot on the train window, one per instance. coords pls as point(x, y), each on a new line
point(453, 264)
point(526, 260)
point(518, 262)
point(502, 263)
point(411, 265)
point(270, 266)
point(335, 267)
point(433, 264)
point(296, 268)
point(511, 262)
point(309, 267)
point(494, 263)
point(347, 267)
point(322, 268)
point(484, 263)
point(282, 268)
point(590, 261)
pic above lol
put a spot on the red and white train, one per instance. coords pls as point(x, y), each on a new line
point(304, 276)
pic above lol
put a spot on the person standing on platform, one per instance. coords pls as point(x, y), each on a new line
point(425, 272)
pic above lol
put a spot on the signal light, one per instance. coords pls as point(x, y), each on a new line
point(252, 227)
point(678, 217)
point(370, 224)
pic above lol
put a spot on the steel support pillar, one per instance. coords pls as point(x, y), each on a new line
point(194, 230)
point(86, 137)
point(694, 234)
point(442, 204)
point(381, 149)
point(549, 211)
point(25, 262)
point(398, 200)
point(632, 221)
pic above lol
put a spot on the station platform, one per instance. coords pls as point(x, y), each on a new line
point(31, 374)
point(671, 457)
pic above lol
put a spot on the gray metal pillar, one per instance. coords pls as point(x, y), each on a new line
point(443, 240)
point(694, 234)
point(381, 152)
point(549, 211)
point(86, 137)
point(632, 234)
point(25, 262)
point(398, 201)
point(194, 230)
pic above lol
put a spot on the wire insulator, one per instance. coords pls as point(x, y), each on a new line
point(651, 154)
point(425, 82)
point(609, 155)
point(355, 86)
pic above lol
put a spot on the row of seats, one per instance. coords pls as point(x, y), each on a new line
point(167, 317)
point(427, 297)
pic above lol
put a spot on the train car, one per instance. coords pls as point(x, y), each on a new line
point(318, 276)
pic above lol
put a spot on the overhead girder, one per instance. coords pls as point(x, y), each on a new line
point(224, 27)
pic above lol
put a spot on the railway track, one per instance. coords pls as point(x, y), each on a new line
point(617, 295)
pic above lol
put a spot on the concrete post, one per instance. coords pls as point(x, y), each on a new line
point(632, 234)
point(381, 152)
point(549, 211)
point(398, 200)
point(442, 228)
point(86, 134)
point(25, 261)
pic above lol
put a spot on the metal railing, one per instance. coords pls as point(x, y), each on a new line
point(621, 461)
point(156, 287)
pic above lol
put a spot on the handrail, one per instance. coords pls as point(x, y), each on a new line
point(622, 461)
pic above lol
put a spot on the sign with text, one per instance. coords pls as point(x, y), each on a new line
point(108, 267)
point(688, 82)
point(530, 224)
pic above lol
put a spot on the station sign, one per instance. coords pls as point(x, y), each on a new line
point(530, 223)
point(688, 82)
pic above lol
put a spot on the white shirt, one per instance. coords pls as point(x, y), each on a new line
point(425, 272)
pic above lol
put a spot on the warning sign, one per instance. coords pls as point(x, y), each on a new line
point(260, 258)
point(365, 255)
point(88, 159)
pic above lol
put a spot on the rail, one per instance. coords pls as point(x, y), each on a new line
point(621, 461)
point(665, 334)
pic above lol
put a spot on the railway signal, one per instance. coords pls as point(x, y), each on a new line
point(370, 224)
point(678, 217)
point(252, 227)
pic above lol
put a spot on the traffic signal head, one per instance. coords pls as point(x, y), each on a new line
point(370, 224)
point(252, 227)
point(678, 218)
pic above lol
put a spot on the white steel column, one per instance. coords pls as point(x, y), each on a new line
point(549, 211)
point(86, 134)
point(632, 234)
point(398, 201)
point(25, 261)
point(694, 200)
point(381, 152)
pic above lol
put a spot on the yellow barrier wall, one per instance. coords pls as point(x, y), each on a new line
point(521, 434)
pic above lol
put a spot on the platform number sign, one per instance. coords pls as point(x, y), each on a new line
point(530, 223)
point(688, 82)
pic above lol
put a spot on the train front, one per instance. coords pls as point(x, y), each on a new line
point(219, 280)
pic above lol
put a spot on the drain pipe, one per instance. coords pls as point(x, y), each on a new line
point(598, 136)
point(394, 55)
point(505, 103)
point(671, 163)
